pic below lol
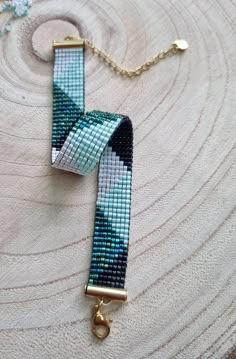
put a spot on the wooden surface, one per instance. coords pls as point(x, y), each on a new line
point(181, 272)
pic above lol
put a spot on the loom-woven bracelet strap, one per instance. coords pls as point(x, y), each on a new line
point(80, 141)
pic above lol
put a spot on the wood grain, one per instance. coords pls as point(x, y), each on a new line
point(181, 272)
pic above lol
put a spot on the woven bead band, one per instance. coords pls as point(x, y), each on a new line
point(82, 140)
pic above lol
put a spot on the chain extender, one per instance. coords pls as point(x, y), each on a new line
point(178, 45)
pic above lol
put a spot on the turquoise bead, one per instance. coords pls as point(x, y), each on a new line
point(8, 27)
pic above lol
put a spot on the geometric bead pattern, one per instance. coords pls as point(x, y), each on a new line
point(80, 141)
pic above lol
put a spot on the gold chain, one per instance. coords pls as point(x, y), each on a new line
point(178, 45)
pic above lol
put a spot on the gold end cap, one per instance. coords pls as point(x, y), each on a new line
point(68, 43)
point(116, 294)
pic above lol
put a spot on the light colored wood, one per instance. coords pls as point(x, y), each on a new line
point(181, 272)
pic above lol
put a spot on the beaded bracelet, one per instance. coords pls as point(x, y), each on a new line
point(81, 140)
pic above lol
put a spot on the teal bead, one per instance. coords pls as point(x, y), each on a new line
point(8, 7)
point(8, 27)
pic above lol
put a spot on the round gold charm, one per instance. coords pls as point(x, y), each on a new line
point(181, 45)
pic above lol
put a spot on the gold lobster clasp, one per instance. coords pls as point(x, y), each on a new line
point(101, 324)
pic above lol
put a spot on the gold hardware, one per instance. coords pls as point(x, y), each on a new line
point(181, 45)
point(177, 46)
point(101, 324)
point(68, 42)
point(106, 293)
